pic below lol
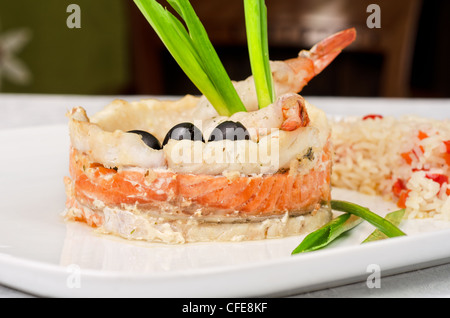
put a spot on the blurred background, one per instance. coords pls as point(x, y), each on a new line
point(115, 52)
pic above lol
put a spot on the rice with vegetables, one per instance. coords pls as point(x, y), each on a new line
point(403, 159)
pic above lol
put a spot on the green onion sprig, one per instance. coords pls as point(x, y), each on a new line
point(193, 51)
point(353, 216)
point(389, 229)
point(257, 42)
point(394, 217)
point(328, 233)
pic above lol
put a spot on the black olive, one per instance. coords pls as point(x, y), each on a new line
point(184, 131)
point(148, 139)
point(229, 130)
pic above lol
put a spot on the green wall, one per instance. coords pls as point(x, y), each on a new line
point(94, 59)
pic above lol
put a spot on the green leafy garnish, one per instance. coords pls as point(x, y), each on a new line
point(258, 48)
point(327, 233)
point(393, 217)
point(386, 227)
point(355, 214)
point(193, 51)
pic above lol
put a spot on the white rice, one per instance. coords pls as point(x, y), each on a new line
point(368, 158)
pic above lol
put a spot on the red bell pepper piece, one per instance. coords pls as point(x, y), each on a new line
point(372, 116)
point(436, 177)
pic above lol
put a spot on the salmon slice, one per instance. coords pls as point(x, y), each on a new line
point(249, 191)
point(187, 194)
point(270, 203)
point(193, 186)
point(285, 193)
point(259, 197)
point(223, 198)
point(92, 182)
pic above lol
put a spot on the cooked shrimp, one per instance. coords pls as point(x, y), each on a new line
point(287, 113)
point(289, 76)
point(294, 112)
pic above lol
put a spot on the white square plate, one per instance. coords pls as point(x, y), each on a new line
point(41, 254)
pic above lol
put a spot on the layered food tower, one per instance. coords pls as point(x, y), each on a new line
point(121, 185)
point(246, 160)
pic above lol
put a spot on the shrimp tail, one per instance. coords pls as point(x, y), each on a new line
point(324, 52)
point(310, 63)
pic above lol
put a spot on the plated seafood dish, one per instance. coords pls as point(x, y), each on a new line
point(246, 160)
point(178, 171)
point(131, 189)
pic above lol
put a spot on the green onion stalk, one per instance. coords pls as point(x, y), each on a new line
point(193, 51)
point(353, 216)
point(258, 48)
point(191, 48)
